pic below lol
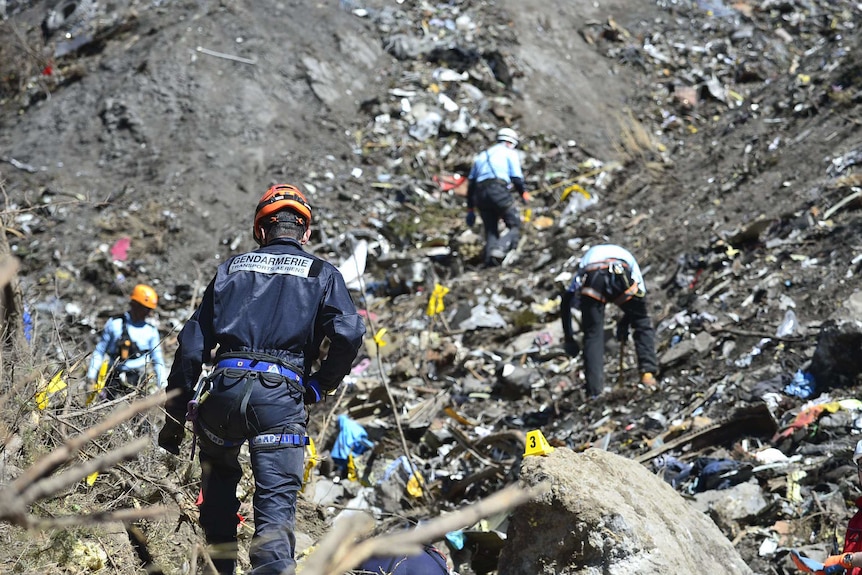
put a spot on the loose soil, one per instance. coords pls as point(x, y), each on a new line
point(170, 123)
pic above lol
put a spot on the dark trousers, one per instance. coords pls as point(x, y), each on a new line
point(241, 406)
point(593, 325)
point(495, 203)
point(120, 383)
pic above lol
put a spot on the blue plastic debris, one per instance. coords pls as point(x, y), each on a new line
point(802, 386)
point(352, 440)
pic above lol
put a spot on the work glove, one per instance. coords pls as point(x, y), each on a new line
point(836, 564)
point(525, 197)
point(572, 348)
point(471, 218)
point(171, 435)
point(313, 393)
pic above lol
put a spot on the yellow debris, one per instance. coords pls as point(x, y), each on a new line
point(56, 384)
point(378, 337)
point(435, 302)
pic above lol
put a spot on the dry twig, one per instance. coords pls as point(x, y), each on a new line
point(36, 483)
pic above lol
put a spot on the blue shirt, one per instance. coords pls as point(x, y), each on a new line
point(143, 334)
point(497, 162)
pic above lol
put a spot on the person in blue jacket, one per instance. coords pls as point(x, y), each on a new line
point(608, 273)
point(131, 346)
point(494, 171)
point(267, 312)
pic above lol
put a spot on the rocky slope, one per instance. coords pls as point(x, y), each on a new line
point(718, 142)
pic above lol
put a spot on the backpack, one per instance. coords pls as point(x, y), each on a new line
point(126, 348)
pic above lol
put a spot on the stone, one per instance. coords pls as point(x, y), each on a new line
point(608, 514)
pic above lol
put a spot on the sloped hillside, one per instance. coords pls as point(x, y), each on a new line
point(718, 141)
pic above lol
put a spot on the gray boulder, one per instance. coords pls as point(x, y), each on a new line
point(606, 514)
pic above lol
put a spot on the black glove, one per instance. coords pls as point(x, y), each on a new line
point(313, 393)
point(471, 218)
point(572, 348)
point(171, 435)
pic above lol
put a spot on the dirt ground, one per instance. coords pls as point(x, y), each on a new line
point(170, 121)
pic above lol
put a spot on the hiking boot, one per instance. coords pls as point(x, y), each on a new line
point(648, 380)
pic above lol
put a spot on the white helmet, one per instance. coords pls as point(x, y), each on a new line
point(507, 135)
point(858, 453)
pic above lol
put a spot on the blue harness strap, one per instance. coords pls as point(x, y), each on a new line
point(269, 439)
point(262, 440)
point(257, 365)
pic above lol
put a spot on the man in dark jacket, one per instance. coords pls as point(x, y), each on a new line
point(493, 172)
point(267, 312)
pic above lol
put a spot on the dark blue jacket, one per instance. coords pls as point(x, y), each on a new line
point(430, 562)
point(277, 300)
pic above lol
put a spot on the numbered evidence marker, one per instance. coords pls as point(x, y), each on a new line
point(537, 444)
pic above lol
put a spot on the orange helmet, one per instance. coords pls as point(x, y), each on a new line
point(145, 295)
point(280, 197)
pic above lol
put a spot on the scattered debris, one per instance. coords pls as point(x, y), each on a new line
point(735, 181)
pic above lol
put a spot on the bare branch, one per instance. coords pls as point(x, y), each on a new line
point(15, 391)
point(8, 269)
point(333, 549)
point(46, 487)
point(34, 484)
point(122, 515)
point(68, 450)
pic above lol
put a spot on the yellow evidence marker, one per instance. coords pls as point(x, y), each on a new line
point(537, 444)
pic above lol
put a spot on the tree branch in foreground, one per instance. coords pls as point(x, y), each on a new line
point(36, 483)
point(339, 551)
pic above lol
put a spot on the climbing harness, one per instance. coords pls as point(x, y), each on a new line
point(126, 348)
point(609, 281)
point(258, 365)
point(271, 439)
point(252, 370)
